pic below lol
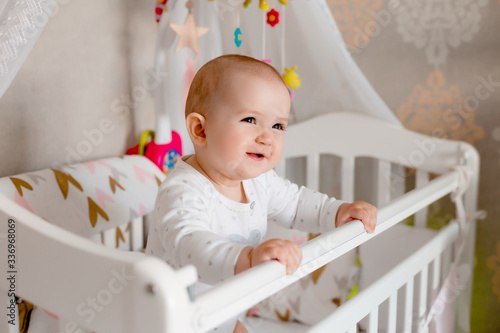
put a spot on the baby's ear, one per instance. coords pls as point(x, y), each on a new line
point(195, 124)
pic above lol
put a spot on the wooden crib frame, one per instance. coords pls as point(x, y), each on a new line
point(143, 294)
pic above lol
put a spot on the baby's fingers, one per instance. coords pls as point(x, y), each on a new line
point(292, 257)
point(286, 252)
point(367, 214)
point(362, 211)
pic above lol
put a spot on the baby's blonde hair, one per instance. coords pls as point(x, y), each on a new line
point(206, 85)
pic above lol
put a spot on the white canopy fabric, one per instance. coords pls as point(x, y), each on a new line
point(331, 80)
point(21, 23)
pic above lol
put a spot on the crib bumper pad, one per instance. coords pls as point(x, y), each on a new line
point(90, 197)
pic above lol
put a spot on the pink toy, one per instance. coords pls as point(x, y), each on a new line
point(163, 155)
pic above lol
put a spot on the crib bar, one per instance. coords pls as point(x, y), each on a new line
point(422, 299)
point(472, 161)
point(422, 178)
point(392, 314)
point(373, 321)
point(408, 317)
point(447, 259)
point(383, 183)
point(109, 238)
point(359, 306)
point(97, 238)
point(136, 234)
point(347, 186)
point(436, 273)
point(312, 179)
point(436, 268)
point(229, 298)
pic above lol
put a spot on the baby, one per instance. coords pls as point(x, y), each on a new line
point(212, 210)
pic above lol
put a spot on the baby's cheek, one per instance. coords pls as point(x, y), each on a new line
point(278, 145)
point(229, 155)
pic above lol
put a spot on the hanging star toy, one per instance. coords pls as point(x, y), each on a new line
point(189, 32)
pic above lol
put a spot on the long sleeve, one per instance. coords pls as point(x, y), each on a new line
point(300, 208)
point(182, 221)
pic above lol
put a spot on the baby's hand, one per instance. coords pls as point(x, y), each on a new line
point(358, 210)
point(286, 252)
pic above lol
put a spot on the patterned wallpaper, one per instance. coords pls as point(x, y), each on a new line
point(436, 63)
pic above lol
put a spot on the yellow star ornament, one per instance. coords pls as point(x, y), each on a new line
point(188, 34)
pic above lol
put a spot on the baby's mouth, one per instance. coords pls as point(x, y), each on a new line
point(256, 156)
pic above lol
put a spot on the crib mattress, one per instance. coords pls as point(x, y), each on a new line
point(258, 325)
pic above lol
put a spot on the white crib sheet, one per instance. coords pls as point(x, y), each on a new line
point(260, 325)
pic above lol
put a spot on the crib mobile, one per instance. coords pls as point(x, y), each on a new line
point(168, 147)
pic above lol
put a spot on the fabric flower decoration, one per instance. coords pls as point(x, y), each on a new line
point(273, 17)
point(237, 37)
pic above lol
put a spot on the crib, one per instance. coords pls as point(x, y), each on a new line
point(62, 267)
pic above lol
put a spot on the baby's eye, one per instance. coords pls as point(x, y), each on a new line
point(279, 127)
point(250, 120)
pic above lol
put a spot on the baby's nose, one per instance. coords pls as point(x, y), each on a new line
point(264, 137)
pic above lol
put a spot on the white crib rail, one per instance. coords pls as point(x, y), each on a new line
point(368, 301)
point(156, 300)
point(233, 296)
point(87, 284)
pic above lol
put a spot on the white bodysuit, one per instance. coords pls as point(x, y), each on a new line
point(193, 224)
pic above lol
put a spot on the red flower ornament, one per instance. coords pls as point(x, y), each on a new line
point(273, 17)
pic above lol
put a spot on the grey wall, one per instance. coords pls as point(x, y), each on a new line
point(70, 100)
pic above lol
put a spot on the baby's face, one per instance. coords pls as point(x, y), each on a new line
point(245, 127)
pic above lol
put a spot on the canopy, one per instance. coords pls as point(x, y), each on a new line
point(21, 23)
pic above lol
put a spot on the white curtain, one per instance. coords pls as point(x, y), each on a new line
point(21, 23)
point(331, 80)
